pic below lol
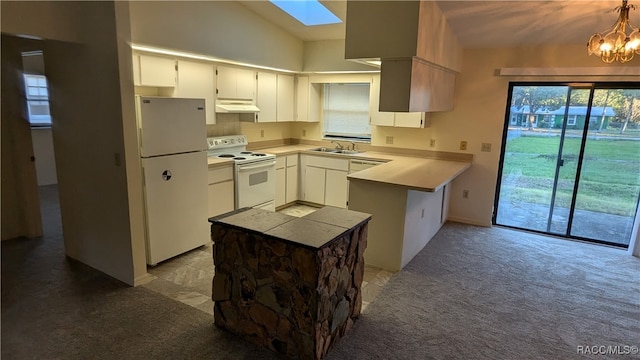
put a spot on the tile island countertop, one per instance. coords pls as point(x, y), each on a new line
point(409, 171)
point(313, 231)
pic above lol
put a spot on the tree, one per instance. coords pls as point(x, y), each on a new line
point(538, 98)
point(632, 112)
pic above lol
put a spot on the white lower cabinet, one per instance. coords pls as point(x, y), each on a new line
point(336, 188)
point(281, 180)
point(286, 179)
point(314, 184)
point(325, 180)
point(292, 180)
point(221, 190)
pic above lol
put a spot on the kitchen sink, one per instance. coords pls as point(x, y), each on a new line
point(336, 151)
point(324, 149)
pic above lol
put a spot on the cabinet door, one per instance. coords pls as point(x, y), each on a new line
point(197, 80)
point(226, 82)
point(246, 84)
point(336, 188)
point(292, 184)
point(266, 97)
point(302, 98)
point(314, 184)
point(376, 117)
point(285, 97)
point(221, 198)
point(281, 187)
point(411, 119)
point(157, 71)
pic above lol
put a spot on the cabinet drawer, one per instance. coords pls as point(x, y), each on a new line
point(220, 174)
point(328, 162)
point(281, 162)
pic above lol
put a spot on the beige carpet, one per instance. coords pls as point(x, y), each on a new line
point(472, 293)
point(491, 293)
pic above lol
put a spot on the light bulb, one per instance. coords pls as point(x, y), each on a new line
point(634, 41)
point(593, 46)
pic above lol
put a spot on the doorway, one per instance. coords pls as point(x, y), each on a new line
point(570, 161)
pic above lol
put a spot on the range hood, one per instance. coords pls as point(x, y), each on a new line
point(236, 106)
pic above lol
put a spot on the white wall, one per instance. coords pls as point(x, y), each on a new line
point(45, 156)
point(224, 29)
point(479, 111)
point(91, 86)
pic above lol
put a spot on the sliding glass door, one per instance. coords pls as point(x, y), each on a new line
point(570, 162)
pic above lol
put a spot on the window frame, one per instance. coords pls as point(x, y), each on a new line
point(336, 135)
point(39, 99)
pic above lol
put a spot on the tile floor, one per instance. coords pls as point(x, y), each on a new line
point(187, 278)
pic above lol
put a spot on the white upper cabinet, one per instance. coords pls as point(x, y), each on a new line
point(377, 117)
point(197, 80)
point(307, 100)
point(154, 71)
point(235, 83)
point(396, 119)
point(266, 97)
point(285, 97)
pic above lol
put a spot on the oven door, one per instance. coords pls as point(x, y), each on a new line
point(256, 184)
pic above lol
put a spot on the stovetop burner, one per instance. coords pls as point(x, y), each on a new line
point(234, 147)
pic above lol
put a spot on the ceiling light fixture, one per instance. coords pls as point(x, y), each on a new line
point(616, 44)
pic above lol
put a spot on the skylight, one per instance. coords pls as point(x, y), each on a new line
point(308, 12)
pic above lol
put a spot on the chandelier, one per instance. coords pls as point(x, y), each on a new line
point(617, 44)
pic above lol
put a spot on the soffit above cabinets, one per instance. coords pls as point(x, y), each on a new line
point(482, 24)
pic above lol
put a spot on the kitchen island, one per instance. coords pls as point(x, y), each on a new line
point(409, 201)
point(292, 285)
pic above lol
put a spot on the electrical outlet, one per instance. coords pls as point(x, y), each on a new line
point(465, 194)
point(463, 145)
point(486, 147)
point(432, 143)
point(261, 133)
point(389, 139)
point(304, 132)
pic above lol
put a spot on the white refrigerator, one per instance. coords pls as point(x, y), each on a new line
point(173, 143)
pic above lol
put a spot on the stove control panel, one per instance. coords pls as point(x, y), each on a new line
point(222, 142)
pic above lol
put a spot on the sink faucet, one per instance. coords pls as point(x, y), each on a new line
point(353, 145)
point(338, 145)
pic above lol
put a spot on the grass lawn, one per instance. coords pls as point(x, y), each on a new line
point(610, 175)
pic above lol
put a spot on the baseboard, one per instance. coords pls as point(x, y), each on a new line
point(468, 221)
point(144, 279)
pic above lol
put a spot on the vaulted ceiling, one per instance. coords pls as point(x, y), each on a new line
point(485, 24)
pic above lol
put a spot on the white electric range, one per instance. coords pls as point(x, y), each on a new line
point(255, 172)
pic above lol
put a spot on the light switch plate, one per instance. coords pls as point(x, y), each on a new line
point(486, 147)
